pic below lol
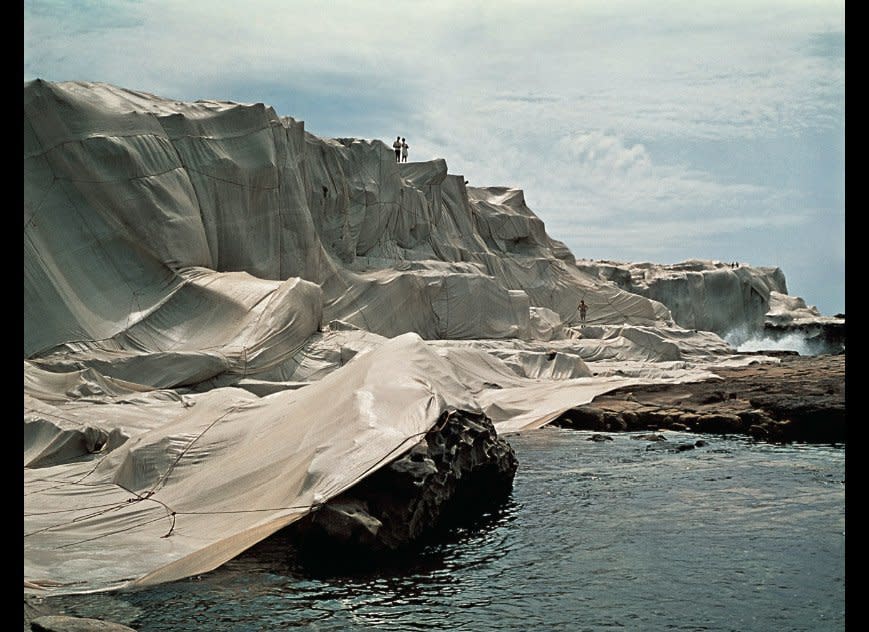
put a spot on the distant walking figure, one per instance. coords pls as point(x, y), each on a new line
point(397, 147)
point(583, 308)
point(404, 147)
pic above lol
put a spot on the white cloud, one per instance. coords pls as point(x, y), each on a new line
point(605, 156)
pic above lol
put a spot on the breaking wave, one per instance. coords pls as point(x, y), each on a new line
point(746, 341)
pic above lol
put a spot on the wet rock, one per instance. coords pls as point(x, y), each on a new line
point(713, 397)
point(753, 417)
point(616, 423)
point(631, 419)
point(758, 431)
point(682, 447)
point(650, 437)
point(461, 468)
point(689, 418)
point(599, 438)
point(665, 420)
point(813, 416)
point(584, 418)
point(722, 423)
point(800, 399)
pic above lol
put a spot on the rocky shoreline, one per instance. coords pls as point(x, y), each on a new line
point(801, 399)
point(459, 468)
point(454, 473)
point(462, 462)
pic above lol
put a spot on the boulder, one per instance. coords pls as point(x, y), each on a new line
point(652, 436)
point(583, 418)
point(458, 470)
point(719, 423)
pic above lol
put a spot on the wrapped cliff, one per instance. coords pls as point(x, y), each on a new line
point(740, 302)
point(229, 321)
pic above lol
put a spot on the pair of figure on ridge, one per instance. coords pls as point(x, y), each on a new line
point(400, 148)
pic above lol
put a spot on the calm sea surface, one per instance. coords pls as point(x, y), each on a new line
point(618, 535)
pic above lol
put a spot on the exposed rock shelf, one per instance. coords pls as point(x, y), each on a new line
point(800, 399)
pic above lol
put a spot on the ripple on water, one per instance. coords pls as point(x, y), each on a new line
point(595, 536)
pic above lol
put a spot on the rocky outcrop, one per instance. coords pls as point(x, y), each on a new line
point(458, 470)
point(800, 399)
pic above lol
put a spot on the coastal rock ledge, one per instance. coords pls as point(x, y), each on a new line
point(458, 470)
point(800, 399)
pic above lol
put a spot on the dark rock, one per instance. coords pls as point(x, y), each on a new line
point(713, 397)
point(650, 437)
point(583, 418)
point(700, 443)
point(631, 419)
point(778, 430)
point(719, 423)
point(60, 623)
point(599, 438)
point(689, 419)
point(682, 447)
point(616, 423)
point(753, 417)
point(665, 420)
point(814, 417)
point(457, 471)
point(758, 431)
point(800, 398)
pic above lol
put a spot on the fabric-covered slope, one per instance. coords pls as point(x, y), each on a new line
point(704, 295)
point(128, 196)
point(189, 482)
point(175, 250)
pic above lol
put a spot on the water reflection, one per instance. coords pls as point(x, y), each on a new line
point(732, 535)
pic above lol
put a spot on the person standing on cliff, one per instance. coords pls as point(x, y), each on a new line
point(583, 309)
point(397, 147)
point(404, 148)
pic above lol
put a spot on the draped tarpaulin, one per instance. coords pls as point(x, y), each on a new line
point(228, 321)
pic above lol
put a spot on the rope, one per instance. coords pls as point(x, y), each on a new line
point(172, 514)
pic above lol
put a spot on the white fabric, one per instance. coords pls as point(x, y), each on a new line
point(227, 321)
point(232, 467)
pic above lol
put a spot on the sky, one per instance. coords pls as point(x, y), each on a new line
point(654, 130)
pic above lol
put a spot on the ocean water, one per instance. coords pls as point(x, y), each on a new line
point(743, 341)
point(625, 534)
